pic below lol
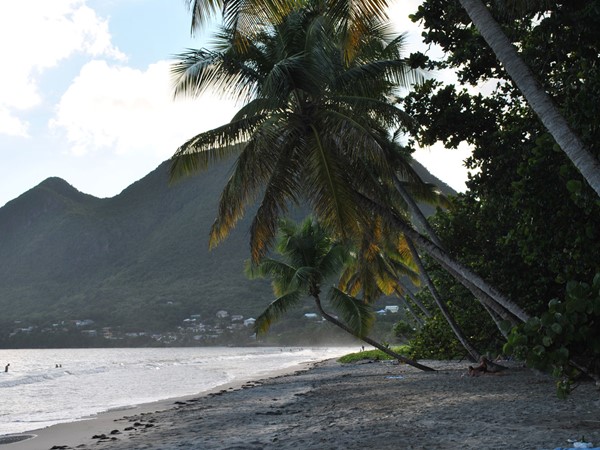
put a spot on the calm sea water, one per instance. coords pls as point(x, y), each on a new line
point(35, 393)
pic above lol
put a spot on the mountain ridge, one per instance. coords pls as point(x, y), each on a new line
point(138, 260)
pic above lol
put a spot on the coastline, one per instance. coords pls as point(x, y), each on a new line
point(80, 432)
point(327, 405)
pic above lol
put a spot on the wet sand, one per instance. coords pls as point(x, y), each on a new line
point(377, 405)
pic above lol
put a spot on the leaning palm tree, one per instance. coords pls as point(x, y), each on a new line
point(314, 127)
point(310, 257)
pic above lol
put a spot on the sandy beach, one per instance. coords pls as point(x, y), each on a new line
point(378, 405)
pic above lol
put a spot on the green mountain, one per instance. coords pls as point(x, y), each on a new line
point(137, 261)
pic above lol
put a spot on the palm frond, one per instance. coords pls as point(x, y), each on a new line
point(281, 190)
point(226, 72)
point(327, 185)
point(275, 310)
point(427, 193)
point(252, 168)
point(283, 276)
point(212, 146)
point(203, 11)
point(356, 314)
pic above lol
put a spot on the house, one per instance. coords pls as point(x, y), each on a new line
point(311, 316)
point(250, 322)
point(237, 318)
point(222, 314)
point(392, 309)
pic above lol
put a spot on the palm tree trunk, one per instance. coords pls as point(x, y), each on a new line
point(538, 99)
point(417, 302)
point(465, 276)
point(488, 302)
point(462, 273)
point(417, 213)
point(412, 311)
point(442, 305)
point(368, 340)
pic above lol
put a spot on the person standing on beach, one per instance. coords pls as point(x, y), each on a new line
point(6, 367)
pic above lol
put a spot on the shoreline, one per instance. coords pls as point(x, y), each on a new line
point(81, 432)
point(328, 405)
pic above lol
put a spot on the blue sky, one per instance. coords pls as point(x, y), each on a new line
point(85, 93)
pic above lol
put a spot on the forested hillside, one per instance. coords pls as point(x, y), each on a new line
point(137, 261)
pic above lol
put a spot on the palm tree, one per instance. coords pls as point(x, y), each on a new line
point(315, 123)
point(310, 258)
point(311, 122)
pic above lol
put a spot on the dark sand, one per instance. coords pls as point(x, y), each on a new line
point(359, 406)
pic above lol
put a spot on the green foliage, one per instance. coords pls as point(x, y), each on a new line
point(528, 222)
point(564, 338)
point(435, 339)
point(138, 261)
point(310, 258)
point(373, 355)
point(403, 329)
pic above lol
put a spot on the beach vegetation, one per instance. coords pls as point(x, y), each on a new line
point(514, 153)
point(309, 107)
point(310, 258)
point(374, 355)
point(530, 217)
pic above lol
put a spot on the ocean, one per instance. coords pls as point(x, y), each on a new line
point(50, 386)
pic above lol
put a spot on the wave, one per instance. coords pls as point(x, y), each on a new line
point(21, 379)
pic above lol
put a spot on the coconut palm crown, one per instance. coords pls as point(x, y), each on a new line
point(313, 127)
point(310, 257)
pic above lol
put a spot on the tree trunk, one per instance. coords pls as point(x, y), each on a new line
point(442, 305)
point(368, 340)
point(411, 310)
point(463, 274)
point(417, 213)
point(538, 99)
point(487, 302)
point(417, 302)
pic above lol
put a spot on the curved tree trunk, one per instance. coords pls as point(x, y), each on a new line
point(368, 340)
point(538, 99)
point(466, 276)
point(412, 311)
point(417, 213)
point(463, 274)
point(442, 305)
point(416, 301)
point(488, 303)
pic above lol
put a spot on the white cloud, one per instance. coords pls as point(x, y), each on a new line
point(36, 35)
point(127, 111)
point(11, 125)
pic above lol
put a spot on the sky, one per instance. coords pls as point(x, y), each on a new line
point(86, 95)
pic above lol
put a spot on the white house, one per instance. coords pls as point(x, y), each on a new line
point(392, 309)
